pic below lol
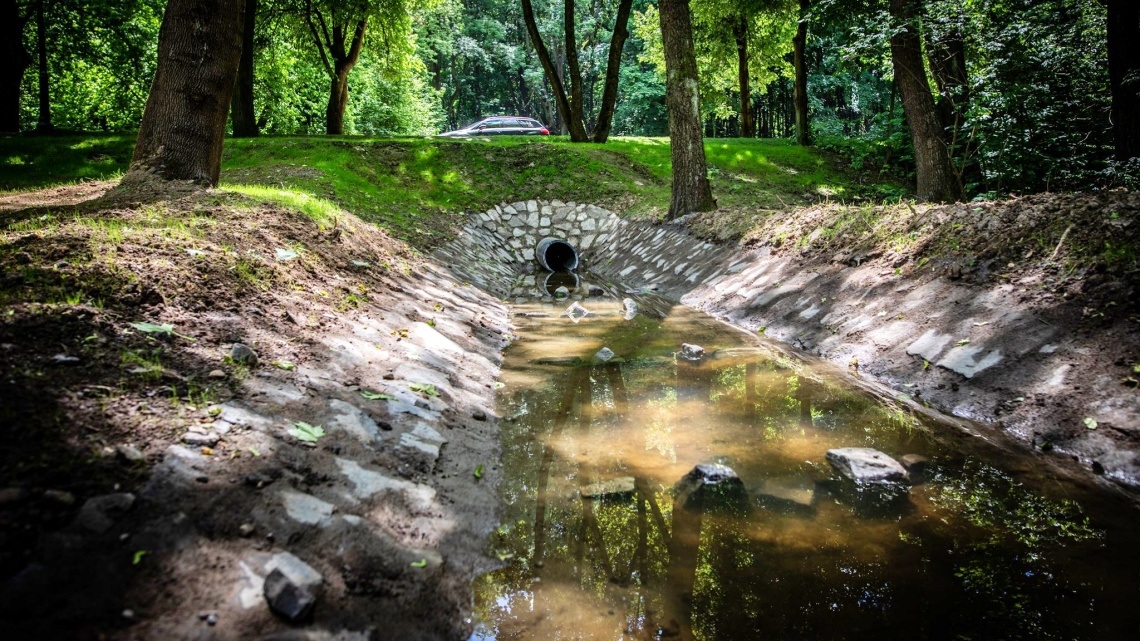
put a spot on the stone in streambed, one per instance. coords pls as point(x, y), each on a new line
point(711, 487)
point(865, 466)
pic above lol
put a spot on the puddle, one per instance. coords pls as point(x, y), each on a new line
point(990, 546)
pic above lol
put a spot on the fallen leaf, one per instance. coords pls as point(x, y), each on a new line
point(285, 255)
point(1090, 423)
point(478, 471)
point(377, 396)
point(285, 365)
point(302, 431)
point(422, 563)
point(138, 557)
point(424, 388)
point(964, 341)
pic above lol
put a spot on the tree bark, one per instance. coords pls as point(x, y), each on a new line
point(613, 67)
point(242, 115)
point(799, 44)
point(576, 122)
point(14, 61)
point(691, 189)
point(937, 181)
point(184, 122)
point(747, 120)
point(43, 122)
point(1124, 75)
point(552, 76)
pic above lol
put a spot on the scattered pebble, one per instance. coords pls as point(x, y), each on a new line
point(64, 359)
point(60, 497)
point(479, 415)
point(216, 373)
point(246, 529)
point(244, 354)
point(129, 453)
point(199, 439)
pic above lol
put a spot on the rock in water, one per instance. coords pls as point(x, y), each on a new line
point(865, 466)
point(561, 292)
point(692, 353)
point(604, 354)
point(243, 354)
point(576, 312)
point(288, 600)
point(594, 290)
point(629, 308)
point(711, 487)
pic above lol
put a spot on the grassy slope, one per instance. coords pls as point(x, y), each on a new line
point(415, 187)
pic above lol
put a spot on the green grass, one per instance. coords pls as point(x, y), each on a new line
point(418, 187)
point(36, 162)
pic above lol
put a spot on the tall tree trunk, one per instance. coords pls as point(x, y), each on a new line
point(14, 61)
point(184, 123)
point(691, 189)
point(1124, 75)
point(576, 122)
point(747, 120)
point(43, 123)
point(242, 116)
point(613, 66)
point(937, 181)
point(799, 44)
point(552, 75)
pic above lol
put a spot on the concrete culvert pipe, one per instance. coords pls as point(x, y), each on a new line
point(556, 255)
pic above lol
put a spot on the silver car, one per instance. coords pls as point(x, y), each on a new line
point(501, 126)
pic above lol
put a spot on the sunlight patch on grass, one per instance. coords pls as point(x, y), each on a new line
point(321, 211)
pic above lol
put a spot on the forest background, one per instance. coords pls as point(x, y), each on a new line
point(1022, 85)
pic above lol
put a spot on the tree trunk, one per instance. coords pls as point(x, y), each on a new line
point(613, 66)
point(184, 123)
point(575, 122)
point(1124, 75)
point(552, 76)
point(691, 189)
point(43, 123)
point(242, 116)
point(342, 62)
point(936, 179)
point(747, 121)
point(14, 61)
point(799, 44)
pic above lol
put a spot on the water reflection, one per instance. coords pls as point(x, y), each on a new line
point(596, 548)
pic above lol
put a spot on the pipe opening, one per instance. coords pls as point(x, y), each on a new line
point(556, 255)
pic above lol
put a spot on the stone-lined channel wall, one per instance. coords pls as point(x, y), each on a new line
point(977, 352)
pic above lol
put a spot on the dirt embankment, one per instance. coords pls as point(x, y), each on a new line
point(154, 474)
point(1022, 313)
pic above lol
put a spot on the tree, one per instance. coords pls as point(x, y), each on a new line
point(337, 29)
point(570, 107)
point(14, 61)
point(184, 123)
point(691, 189)
point(242, 114)
point(1124, 75)
point(937, 181)
point(799, 45)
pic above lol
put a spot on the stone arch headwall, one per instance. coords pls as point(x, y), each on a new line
point(495, 249)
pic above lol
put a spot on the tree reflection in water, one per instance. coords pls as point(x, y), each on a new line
point(978, 554)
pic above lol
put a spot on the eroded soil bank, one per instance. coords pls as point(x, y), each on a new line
point(152, 478)
point(1022, 314)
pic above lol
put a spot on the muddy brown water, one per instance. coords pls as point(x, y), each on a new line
point(991, 544)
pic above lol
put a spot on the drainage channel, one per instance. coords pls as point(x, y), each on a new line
point(607, 413)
